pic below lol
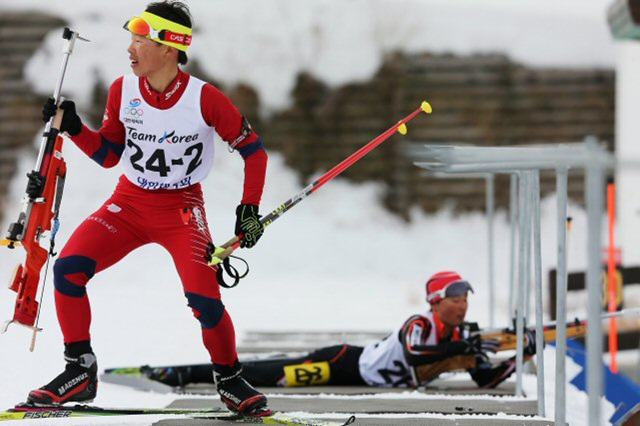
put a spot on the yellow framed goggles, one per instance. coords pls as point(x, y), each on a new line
point(172, 34)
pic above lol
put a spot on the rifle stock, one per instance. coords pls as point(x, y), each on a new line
point(507, 340)
point(428, 372)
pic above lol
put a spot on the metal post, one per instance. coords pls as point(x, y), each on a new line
point(561, 296)
point(523, 240)
point(537, 253)
point(513, 215)
point(490, 205)
point(595, 209)
point(527, 254)
point(593, 159)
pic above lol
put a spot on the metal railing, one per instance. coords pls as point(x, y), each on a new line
point(524, 164)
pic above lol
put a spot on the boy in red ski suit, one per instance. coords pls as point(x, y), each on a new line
point(160, 124)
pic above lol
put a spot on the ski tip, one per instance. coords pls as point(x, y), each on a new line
point(402, 128)
point(426, 107)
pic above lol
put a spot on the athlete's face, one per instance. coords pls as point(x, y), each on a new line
point(451, 310)
point(146, 56)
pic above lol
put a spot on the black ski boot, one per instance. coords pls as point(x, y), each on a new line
point(236, 393)
point(78, 382)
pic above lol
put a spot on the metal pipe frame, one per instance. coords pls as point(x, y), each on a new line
point(490, 207)
point(561, 296)
point(537, 267)
point(522, 162)
point(525, 232)
point(595, 211)
point(513, 215)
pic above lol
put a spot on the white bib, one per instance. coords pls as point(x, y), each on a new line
point(165, 149)
point(384, 364)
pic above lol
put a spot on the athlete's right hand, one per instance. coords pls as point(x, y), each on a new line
point(71, 123)
point(480, 347)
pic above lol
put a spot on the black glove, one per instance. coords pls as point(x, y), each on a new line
point(530, 342)
point(478, 346)
point(248, 224)
point(71, 123)
point(35, 185)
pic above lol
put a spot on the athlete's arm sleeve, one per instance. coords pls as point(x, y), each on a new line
point(106, 145)
point(414, 334)
point(219, 112)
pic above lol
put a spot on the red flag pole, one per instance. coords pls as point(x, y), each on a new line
point(611, 269)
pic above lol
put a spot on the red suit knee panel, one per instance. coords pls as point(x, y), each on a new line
point(71, 274)
point(207, 310)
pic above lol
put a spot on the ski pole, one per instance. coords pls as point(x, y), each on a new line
point(227, 248)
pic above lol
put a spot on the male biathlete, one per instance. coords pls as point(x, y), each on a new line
point(160, 124)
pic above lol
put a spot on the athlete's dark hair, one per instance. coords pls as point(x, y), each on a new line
point(175, 11)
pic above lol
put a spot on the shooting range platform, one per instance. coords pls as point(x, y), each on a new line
point(456, 403)
point(451, 400)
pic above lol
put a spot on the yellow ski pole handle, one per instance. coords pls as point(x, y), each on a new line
point(224, 251)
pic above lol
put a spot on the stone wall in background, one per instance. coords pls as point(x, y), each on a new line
point(20, 109)
point(481, 100)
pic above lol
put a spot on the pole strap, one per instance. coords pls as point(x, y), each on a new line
point(226, 267)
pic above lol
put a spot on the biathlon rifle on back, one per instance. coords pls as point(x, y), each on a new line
point(40, 213)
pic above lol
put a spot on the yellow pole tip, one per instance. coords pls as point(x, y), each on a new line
point(214, 261)
point(402, 129)
point(426, 107)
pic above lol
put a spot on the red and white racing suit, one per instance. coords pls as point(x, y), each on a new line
point(419, 341)
point(165, 144)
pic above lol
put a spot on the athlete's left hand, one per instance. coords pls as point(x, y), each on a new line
point(248, 224)
point(530, 342)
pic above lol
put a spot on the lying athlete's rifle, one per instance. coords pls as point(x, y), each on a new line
point(507, 341)
point(576, 328)
point(40, 213)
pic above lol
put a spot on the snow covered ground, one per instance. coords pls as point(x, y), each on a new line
point(338, 261)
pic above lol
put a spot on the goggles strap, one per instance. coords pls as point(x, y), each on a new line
point(172, 34)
